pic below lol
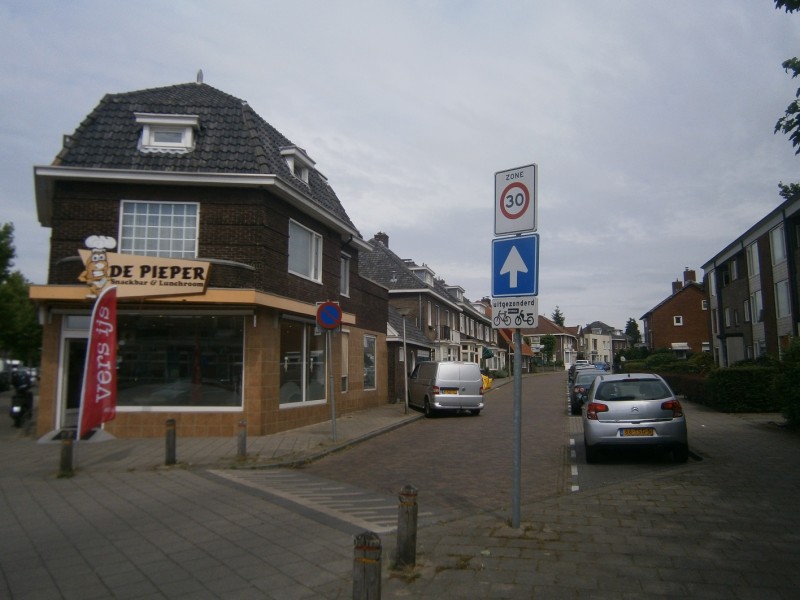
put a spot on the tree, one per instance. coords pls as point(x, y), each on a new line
point(632, 331)
point(7, 252)
point(557, 317)
point(548, 346)
point(20, 332)
point(789, 123)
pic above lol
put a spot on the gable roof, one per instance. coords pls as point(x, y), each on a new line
point(231, 140)
point(692, 285)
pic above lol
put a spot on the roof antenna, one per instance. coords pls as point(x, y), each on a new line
point(200, 76)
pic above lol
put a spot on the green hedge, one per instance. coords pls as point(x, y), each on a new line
point(744, 389)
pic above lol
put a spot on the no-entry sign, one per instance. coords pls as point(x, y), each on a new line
point(515, 200)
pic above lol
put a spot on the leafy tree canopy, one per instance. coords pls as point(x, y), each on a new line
point(789, 123)
point(7, 252)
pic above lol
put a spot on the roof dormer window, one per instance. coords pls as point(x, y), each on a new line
point(299, 163)
point(167, 133)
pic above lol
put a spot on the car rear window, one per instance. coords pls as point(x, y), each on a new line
point(632, 389)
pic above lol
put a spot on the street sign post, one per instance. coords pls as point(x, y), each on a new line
point(515, 200)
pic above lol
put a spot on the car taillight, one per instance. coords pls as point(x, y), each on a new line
point(435, 390)
point(674, 406)
point(594, 408)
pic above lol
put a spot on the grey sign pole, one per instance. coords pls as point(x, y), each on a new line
point(517, 460)
point(329, 350)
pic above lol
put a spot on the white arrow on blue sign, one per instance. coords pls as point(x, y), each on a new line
point(515, 266)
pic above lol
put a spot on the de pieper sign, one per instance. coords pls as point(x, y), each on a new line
point(515, 203)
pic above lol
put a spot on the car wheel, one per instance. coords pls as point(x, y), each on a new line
point(592, 454)
point(680, 454)
point(428, 409)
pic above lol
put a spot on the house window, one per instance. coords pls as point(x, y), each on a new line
point(299, 163)
point(159, 229)
point(167, 133)
point(758, 306)
point(782, 298)
point(344, 276)
point(370, 362)
point(704, 305)
point(179, 361)
point(752, 260)
point(747, 313)
point(777, 245)
point(734, 270)
point(345, 360)
point(727, 317)
point(305, 252)
point(677, 320)
point(302, 367)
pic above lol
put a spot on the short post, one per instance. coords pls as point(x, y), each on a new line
point(367, 566)
point(241, 448)
point(170, 458)
point(407, 527)
point(65, 465)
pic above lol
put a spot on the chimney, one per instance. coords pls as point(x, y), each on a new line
point(689, 276)
point(382, 238)
point(676, 286)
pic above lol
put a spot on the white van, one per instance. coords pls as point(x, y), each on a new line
point(446, 386)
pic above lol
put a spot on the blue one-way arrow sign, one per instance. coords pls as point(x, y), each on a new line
point(515, 266)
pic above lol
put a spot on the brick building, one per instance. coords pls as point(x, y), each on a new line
point(681, 321)
point(187, 174)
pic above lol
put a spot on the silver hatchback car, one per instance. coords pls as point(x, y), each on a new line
point(637, 409)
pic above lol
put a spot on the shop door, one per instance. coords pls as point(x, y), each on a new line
point(75, 358)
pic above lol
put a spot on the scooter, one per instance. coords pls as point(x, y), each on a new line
point(22, 400)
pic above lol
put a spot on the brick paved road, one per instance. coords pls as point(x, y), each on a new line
point(463, 463)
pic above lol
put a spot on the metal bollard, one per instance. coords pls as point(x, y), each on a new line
point(65, 465)
point(407, 527)
point(367, 566)
point(170, 458)
point(241, 449)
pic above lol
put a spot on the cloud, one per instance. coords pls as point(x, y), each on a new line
point(651, 122)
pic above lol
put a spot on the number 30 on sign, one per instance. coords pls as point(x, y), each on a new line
point(515, 192)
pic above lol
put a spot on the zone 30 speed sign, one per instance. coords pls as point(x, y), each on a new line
point(515, 200)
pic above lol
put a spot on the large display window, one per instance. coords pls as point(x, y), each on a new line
point(179, 361)
point(302, 363)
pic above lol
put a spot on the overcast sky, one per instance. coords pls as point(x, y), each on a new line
point(651, 121)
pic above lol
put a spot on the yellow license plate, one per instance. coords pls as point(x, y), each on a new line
point(449, 391)
point(640, 432)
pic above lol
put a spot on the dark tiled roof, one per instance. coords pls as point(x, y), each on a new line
point(386, 268)
point(232, 138)
point(414, 335)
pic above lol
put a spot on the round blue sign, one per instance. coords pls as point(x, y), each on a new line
point(329, 315)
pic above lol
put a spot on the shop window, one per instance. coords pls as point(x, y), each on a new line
point(369, 362)
point(166, 229)
point(302, 365)
point(305, 252)
point(171, 362)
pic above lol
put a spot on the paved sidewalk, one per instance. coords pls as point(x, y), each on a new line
point(726, 526)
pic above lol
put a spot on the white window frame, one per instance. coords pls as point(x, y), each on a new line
point(144, 231)
point(344, 276)
point(154, 124)
point(782, 304)
point(677, 320)
point(313, 248)
point(753, 268)
point(777, 244)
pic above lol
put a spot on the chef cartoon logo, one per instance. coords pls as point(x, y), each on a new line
point(96, 275)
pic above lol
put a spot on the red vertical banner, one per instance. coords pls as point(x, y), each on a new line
point(99, 391)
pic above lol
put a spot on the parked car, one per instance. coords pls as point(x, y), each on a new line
point(637, 409)
point(602, 366)
point(446, 386)
point(577, 366)
point(580, 388)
